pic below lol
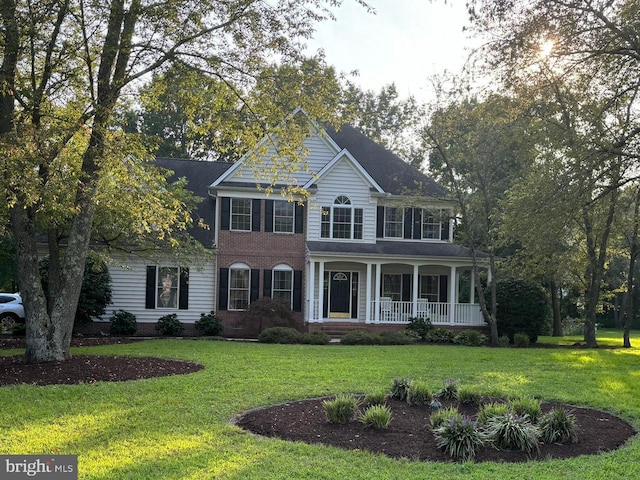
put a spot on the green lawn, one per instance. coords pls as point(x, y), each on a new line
point(178, 427)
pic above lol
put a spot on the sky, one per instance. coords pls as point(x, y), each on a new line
point(405, 42)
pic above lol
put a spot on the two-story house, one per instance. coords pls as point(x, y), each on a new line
point(369, 247)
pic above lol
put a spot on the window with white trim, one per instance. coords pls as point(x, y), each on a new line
point(430, 287)
point(167, 286)
point(239, 287)
point(282, 284)
point(431, 224)
point(342, 220)
point(393, 222)
point(241, 214)
point(392, 286)
point(283, 216)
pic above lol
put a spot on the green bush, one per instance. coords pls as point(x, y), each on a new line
point(420, 326)
point(438, 417)
point(513, 432)
point(439, 335)
point(521, 340)
point(469, 395)
point(169, 325)
point(400, 388)
point(123, 323)
point(342, 409)
point(504, 341)
point(267, 312)
point(360, 337)
point(419, 394)
point(528, 406)
point(377, 398)
point(376, 416)
point(449, 390)
point(470, 338)
point(558, 426)
point(522, 307)
point(460, 436)
point(395, 338)
point(209, 325)
point(280, 335)
point(489, 410)
point(317, 337)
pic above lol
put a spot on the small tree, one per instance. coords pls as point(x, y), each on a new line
point(523, 307)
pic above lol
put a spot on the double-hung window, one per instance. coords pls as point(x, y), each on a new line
point(342, 220)
point(393, 222)
point(241, 214)
point(282, 286)
point(392, 286)
point(431, 221)
point(430, 287)
point(283, 216)
point(239, 287)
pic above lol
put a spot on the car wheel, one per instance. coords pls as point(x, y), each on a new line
point(7, 321)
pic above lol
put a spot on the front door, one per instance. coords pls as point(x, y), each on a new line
point(340, 295)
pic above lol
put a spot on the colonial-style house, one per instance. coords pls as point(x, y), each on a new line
point(369, 247)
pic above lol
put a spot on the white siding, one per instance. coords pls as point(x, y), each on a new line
point(129, 286)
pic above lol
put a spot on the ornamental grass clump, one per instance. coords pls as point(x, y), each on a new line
point(459, 436)
point(438, 417)
point(490, 410)
point(376, 416)
point(526, 406)
point(419, 394)
point(449, 390)
point(513, 432)
point(377, 398)
point(469, 395)
point(400, 388)
point(342, 409)
point(558, 426)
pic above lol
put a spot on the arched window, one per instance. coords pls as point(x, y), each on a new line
point(341, 220)
point(282, 284)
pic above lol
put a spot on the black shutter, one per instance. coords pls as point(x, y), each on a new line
point(444, 286)
point(255, 285)
point(267, 276)
point(223, 289)
point(150, 292)
point(406, 287)
point(268, 215)
point(417, 223)
point(354, 295)
point(297, 290)
point(408, 222)
point(183, 300)
point(299, 218)
point(380, 222)
point(255, 214)
point(444, 229)
point(225, 213)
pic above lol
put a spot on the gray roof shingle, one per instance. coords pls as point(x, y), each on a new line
point(391, 248)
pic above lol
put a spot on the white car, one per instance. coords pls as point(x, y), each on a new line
point(11, 310)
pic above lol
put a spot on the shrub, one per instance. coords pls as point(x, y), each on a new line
point(558, 426)
point(268, 312)
point(513, 432)
point(395, 338)
point(522, 307)
point(342, 409)
point(438, 417)
point(209, 325)
point(439, 335)
point(469, 395)
point(123, 323)
point(504, 341)
point(521, 340)
point(420, 326)
point(400, 388)
point(460, 436)
point(317, 337)
point(280, 335)
point(526, 406)
point(449, 390)
point(470, 338)
point(419, 394)
point(377, 398)
point(170, 325)
point(360, 337)
point(573, 326)
point(490, 410)
point(376, 416)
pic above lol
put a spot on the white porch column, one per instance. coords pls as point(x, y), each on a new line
point(377, 292)
point(312, 291)
point(321, 291)
point(367, 296)
point(472, 293)
point(453, 280)
point(414, 307)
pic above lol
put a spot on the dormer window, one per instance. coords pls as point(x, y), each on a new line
point(341, 220)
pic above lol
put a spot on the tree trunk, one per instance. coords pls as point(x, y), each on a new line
point(555, 307)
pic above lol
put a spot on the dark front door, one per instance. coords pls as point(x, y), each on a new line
point(340, 295)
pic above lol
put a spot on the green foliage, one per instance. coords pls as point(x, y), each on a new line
point(420, 326)
point(317, 337)
point(360, 337)
point(376, 416)
point(280, 335)
point(342, 409)
point(395, 338)
point(469, 395)
point(513, 432)
point(123, 323)
point(377, 398)
point(438, 417)
point(504, 341)
point(170, 325)
point(521, 340)
point(268, 312)
point(470, 338)
point(489, 410)
point(419, 393)
point(528, 406)
point(449, 390)
point(523, 307)
point(459, 436)
point(209, 325)
point(558, 426)
point(439, 335)
point(400, 388)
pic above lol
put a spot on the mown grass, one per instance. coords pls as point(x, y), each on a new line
point(178, 427)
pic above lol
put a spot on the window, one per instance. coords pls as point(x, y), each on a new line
point(239, 287)
point(341, 220)
point(430, 287)
point(167, 287)
point(393, 222)
point(241, 214)
point(431, 224)
point(283, 284)
point(392, 286)
point(283, 215)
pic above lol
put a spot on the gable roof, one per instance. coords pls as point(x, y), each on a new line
point(345, 154)
point(389, 171)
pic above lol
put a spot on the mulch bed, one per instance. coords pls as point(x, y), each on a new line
point(410, 436)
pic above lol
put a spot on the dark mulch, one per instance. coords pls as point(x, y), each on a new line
point(410, 436)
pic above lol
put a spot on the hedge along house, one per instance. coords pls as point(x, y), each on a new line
point(370, 247)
